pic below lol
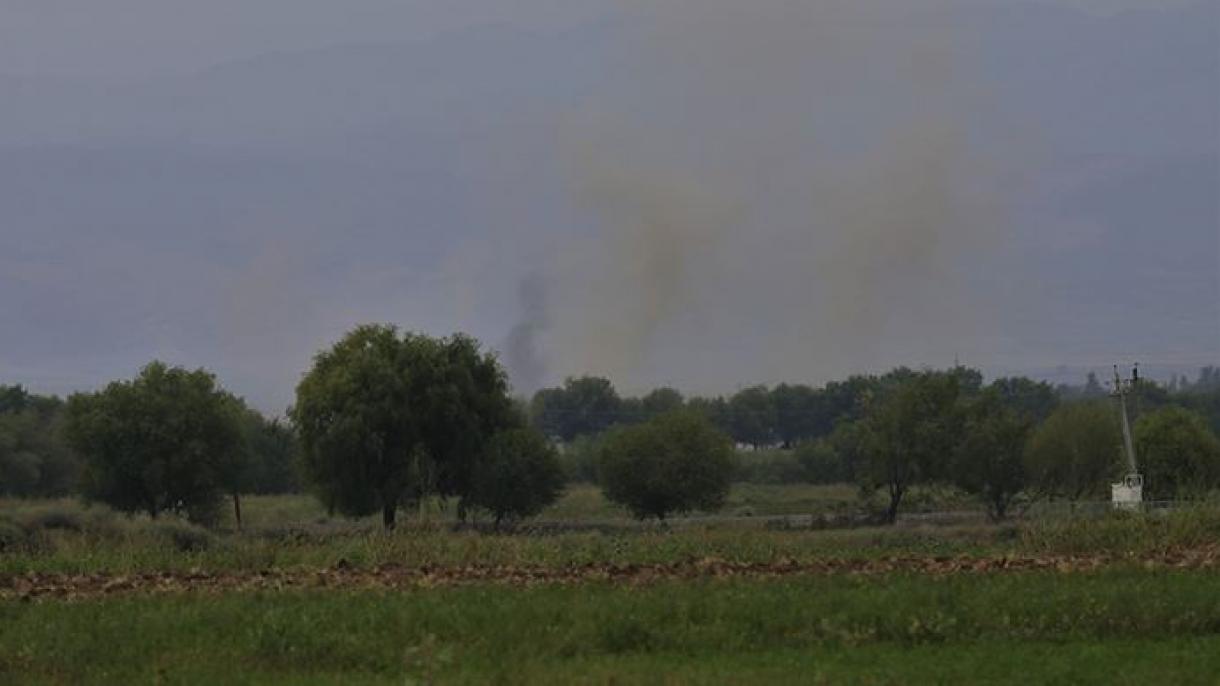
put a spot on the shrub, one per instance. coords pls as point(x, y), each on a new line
point(56, 518)
point(181, 535)
point(15, 538)
point(518, 476)
point(676, 462)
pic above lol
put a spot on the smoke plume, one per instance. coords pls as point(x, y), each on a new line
point(780, 191)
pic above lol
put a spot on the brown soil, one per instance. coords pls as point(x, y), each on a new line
point(35, 585)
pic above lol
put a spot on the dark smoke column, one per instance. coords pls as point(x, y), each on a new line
point(525, 365)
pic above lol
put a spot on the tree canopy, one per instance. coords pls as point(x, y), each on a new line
point(584, 405)
point(386, 418)
point(518, 476)
point(909, 434)
point(35, 460)
point(1076, 452)
point(168, 440)
point(990, 458)
point(676, 462)
point(1178, 454)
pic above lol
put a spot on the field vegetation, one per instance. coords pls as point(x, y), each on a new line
point(412, 522)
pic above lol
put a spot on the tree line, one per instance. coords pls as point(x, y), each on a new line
point(1013, 440)
point(384, 419)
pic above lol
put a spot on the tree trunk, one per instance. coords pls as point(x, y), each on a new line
point(999, 508)
point(237, 509)
point(891, 512)
point(387, 516)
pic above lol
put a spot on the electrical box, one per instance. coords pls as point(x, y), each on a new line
point(1128, 494)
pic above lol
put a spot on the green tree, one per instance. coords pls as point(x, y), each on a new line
point(800, 413)
point(676, 462)
point(169, 440)
point(35, 460)
point(1178, 454)
point(846, 401)
point(659, 401)
point(907, 437)
point(752, 416)
point(1029, 398)
point(716, 410)
point(1076, 452)
point(274, 456)
point(821, 462)
point(584, 405)
point(386, 419)
point(518, 477)
point(990, 459)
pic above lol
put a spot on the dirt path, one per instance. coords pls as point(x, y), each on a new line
point(83, 586)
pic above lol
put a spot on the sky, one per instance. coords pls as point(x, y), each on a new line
point(698, 193)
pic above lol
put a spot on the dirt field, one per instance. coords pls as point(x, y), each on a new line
point(34, 586)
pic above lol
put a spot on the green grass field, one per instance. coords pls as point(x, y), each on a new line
point(1117, 626)
point(1139, 609)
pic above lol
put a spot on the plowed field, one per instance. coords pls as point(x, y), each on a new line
point(389, 576)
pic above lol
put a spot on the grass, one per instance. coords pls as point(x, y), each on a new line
point(1123, 625)
point(62, 536)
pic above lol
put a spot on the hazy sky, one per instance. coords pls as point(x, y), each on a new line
point(703, 193)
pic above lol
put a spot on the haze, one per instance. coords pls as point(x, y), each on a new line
point(694, 193)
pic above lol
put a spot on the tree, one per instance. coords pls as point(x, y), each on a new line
point(836, 458)
point(752, 416)
point(676, 462)
point(518, 477)
point(1029, 398)
point(847, 400)
point(585, 405)
point(1178, 454)
point(659, 401)
point(385, 419)
point(35, 461)
point(716, 410)
point(908, 435)
point(990, 459)
point(800, 413)
point(274, 456)
point(1075, 453)
point(169, 440)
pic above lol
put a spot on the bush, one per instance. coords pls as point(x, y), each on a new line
point(1126, 531)
point(181, 535)
point(56, 518)
point(15, 538)
point(518, 476)
point(676, 462)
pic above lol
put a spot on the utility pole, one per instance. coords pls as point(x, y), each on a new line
point(1127, 494)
